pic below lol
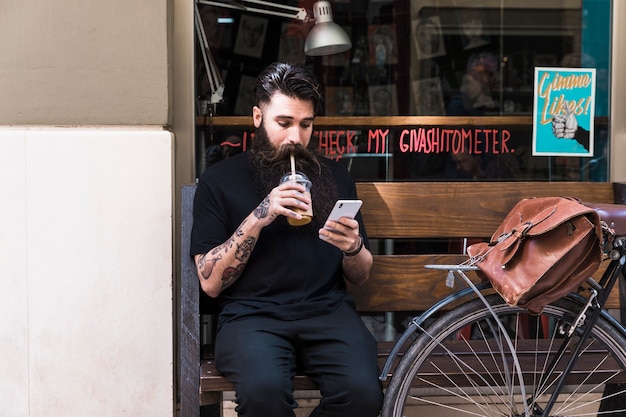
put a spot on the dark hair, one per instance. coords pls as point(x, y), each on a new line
point(292, 80)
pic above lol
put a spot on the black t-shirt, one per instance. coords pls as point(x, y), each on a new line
point(288, 275)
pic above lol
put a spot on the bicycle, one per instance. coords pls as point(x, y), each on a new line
point(484, 357)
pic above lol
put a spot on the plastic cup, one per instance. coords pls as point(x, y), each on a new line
point(307, 215)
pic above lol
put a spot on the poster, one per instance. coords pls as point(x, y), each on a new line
point(563, 111)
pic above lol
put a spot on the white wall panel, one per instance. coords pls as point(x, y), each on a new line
point(13, 276)
point(88, 302)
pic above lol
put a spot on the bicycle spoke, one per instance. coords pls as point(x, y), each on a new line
point(537, 383)
point(468, 370)
point(466, 396)
point(448, 406)
point(583, 383)
point(582, 395)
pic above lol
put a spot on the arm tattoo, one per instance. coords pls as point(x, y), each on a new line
point(263, 208)
point(206, 265)
point(242, 253)
point(231, 274)
point(224, 246)
point(244, 250)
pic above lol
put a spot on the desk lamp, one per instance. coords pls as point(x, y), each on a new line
point(325, 38)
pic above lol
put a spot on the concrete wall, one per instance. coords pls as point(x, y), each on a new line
point(74, 62)
point(86, 168)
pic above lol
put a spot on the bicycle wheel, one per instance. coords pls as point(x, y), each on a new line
point(462, 365)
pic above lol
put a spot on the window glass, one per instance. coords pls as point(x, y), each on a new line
point(431, 90)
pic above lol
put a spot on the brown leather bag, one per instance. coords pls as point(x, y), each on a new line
point(544, 249)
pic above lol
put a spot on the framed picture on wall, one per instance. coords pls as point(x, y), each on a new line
point(251, 36)
point(213, 31)
point(383, 100)
point(339, 101)
point(383, 46)
point(472, 24)
point(245, 97)
point(427, 37)
point(428, 97)
point(291, 46)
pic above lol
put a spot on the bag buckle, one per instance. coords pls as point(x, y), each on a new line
point(526, 227)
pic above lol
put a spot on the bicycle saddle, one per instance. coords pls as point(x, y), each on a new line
point(613, 214)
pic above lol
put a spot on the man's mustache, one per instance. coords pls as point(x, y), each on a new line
point(284, 152)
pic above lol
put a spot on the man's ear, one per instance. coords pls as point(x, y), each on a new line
point(257, 116)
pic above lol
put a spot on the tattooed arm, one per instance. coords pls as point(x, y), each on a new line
point(223, 265)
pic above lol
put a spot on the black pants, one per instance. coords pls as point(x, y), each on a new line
point(260, 356)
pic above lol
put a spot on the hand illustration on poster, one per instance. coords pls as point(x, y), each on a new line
point(564, 111)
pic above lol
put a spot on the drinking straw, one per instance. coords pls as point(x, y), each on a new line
point(293, 166)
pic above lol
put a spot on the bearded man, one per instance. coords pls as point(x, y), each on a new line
point(281, 290)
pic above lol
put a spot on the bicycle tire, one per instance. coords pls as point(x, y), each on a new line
point(435, 378)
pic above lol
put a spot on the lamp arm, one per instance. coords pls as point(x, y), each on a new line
point(216, 85)
point(298, 13)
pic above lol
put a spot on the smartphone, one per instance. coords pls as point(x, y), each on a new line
point(345, 208)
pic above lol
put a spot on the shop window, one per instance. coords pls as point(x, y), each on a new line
point(420, 72)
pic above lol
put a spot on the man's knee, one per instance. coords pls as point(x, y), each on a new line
point(268, 392)
point(357, 397)
point(367, 395)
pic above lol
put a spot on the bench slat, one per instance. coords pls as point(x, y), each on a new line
point(456, 209)
point(403, 283)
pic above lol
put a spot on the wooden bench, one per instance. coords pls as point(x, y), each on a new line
point(395, 214)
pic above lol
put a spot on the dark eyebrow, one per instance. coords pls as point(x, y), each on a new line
point(306, 119)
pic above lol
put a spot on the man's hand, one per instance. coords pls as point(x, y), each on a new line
point(343, 233)
point(280, 202)
point(564, 126)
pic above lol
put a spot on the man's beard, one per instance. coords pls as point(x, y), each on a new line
point(269, 164)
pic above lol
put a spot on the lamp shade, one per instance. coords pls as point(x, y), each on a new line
point(326, 37)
